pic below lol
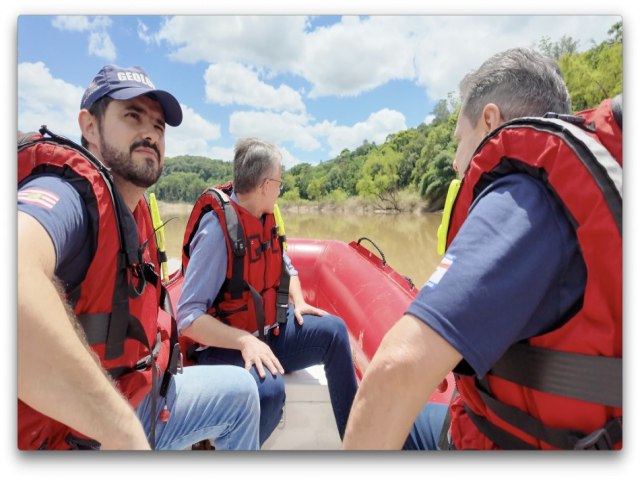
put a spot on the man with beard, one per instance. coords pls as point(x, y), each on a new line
point(92, 349)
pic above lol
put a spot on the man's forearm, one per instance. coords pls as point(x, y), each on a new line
point(295, 290)
point(58, 374)
point(210, 331)
point(410, 363)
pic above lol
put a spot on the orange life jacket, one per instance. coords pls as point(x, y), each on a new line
point(117, 302)
point(252, 297)
point(561, 389)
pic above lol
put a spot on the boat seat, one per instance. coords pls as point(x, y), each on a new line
point(307, 422)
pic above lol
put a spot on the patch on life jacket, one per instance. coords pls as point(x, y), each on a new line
point(441, 269)
point(38, 197)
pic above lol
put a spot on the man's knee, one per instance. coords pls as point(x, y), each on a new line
point(271, 390)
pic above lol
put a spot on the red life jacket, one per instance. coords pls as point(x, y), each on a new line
point(561, 389)
point(117, 302)
point(250, 298)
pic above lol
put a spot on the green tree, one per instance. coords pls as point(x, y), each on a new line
point(379, 178)
point(435, 182)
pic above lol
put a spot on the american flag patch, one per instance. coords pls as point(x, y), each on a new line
point(38, 196)
point(441, 269)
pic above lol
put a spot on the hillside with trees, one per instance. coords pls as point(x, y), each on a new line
point(412, 168)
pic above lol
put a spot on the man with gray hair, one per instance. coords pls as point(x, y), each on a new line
point(510, 299)
point(235, 301)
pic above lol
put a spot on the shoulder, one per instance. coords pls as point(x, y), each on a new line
point(50, 195)
point(518, 198)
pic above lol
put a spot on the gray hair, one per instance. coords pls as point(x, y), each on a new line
point(253, 161)
point(520, 81)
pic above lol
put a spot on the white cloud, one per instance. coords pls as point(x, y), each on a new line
point(473, 41)
point(99, 42)
point(193, 135)
point(100, 45)
point(374, 129)
point(143, 33)
point(288, 159)
point(43, 99)
point(75, 23)
point(356, 55)
point(301, 133)
point(266, 41)
point(232, 83)
point(274, 127)
point(428, 119)
point(221, 153)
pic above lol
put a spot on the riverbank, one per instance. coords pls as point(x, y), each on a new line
point(353, 205)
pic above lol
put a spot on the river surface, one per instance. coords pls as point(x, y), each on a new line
point(408, 241)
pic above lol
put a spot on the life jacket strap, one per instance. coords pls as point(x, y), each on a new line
point(564, 439)
point(258, 307)
point(237, 239)
point(282, 295)
point(79, 443)
point(590, 378)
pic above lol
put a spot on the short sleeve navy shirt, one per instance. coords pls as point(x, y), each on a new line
point(513, 271)
point(62, 213)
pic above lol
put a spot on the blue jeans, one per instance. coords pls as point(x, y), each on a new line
point(216, 403)
point(319, 340)
point(425, 433)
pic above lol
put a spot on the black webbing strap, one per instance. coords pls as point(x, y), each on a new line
point(444, 440)
point(560, 438)
point(237, 240)
point(79, 443)
point(282, 295)
point(258, 306)
point(119, 318)
point(175, 354)
point(141, 365)
point(590, 378)
point(497, 435)
point(113, 328)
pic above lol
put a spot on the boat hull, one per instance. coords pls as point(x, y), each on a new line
point(352, 282)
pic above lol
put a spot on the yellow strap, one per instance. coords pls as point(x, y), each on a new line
point(159, 229)
point(443, 229)
point(279, 223)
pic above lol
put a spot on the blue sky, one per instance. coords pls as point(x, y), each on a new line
point(313, 85)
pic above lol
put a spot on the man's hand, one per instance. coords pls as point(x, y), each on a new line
point(256, 352)
point(303, 308)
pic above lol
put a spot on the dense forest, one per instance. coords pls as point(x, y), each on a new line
point(412, 167)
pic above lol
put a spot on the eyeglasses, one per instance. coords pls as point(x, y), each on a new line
point(276, 180)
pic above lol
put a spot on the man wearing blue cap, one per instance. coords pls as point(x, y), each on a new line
point(93, 351)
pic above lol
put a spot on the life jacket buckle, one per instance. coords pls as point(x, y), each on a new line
point(596, 440)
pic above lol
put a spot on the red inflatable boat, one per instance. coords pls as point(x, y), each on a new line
point(354, 283)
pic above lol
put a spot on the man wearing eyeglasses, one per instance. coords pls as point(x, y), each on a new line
point(235, 305)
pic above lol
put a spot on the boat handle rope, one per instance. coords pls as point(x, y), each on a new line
point(384, 260)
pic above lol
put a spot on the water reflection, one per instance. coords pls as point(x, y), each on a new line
point(407, 240)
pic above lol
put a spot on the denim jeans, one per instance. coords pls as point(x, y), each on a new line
point(425, 433)
point(319, 340)
point(216, 403)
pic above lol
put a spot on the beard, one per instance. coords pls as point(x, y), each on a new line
point(143, 173)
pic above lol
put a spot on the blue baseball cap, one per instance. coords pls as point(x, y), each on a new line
point(127, 83)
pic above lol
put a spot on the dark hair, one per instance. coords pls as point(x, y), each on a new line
point(520, 81)
point(98, 110)
point(253, 161)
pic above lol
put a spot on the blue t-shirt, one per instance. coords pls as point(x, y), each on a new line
point(58, 207)
point(206, 270)
point(513, 271)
